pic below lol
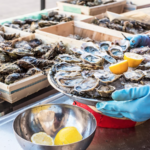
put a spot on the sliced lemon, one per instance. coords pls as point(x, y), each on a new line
point(42, 138)
point(119, 68)
point(133, 59)
point(67, 135)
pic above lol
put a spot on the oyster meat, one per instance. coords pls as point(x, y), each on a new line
point(106, 91)
point(91, 59)
point(135, 76)
point(104, 46)
point(116, 52)
point(69, 81)
point(106, 77)
point(68, 58)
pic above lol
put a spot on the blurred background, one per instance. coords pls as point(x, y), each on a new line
point(12, 8)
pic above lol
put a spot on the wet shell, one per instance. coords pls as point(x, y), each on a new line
point(88, 84)
point(12, 78)
point(21, 52)
point(67, 67)
point(116, 52)
point(91, 59)
point(141, 50)
point(106, 91)
point(135, 76)
point(106, 77)
point(132, 85)
point(23, 44)
point(33, 71)
point(104, 46)
point(69, 81)
point(35, 42)
point(68, 58)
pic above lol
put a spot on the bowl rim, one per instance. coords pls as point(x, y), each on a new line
point(54, 104)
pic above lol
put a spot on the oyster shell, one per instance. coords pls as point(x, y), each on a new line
point(76, 51)
point(68, 58)
point(33, 71)
point(91, 59)
point(88, 84)
point(144, 66)
point(106, 91)
point(23, 44)
point(146, 58)
point(35, 42)
point(67, 67)
point(136, 75)
point(9, 36)
point(147, 74)
point(116, 52)
point(141, 50)
point(13, 77)
point(69, 81)
point(104, 46)
point(106, 77)
point(124, 44)
point(21, 52)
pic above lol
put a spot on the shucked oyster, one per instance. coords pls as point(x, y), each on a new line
point(88, 84)
point(94, 50)
point(94, 60)
point(141, 50)
point(116, 52)
point(136, 75)
point(69, 81)
point(106, 77)
point(132, 85)
point(67, 67)
point(68, 58)
point(106, 91)
point(104, 46)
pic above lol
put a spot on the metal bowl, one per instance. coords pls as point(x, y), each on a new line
point(50, 119)
point(87, 101)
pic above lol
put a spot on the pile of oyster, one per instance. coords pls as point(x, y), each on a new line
point(85, 71)
point(90, 3)
point(21, 59)
point(30, 24)
point(78, 37)
point(4, 36)
point(129, 26)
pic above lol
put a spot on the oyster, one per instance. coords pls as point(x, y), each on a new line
point(69, 81)
point(8, 68)
point(91, 59)
point(147, 74)
point(88, 84)
point(106, 77)
point(52, 13)
point(136, 75)
point(33, 71)
point(68, 58)
point(27, 62)
point(116, 52)
point(76, 51)
point(146, 58)
point(61, 48)
point(3, 56)
point(67, 67)
point(42, 49)
point(13, 77)
point(44, 64)
point(124, 44)
point(106, 91)
point(132, 85)
point(17, 21)
point(23, 44)
point(9, 36)
point(21, 52)
point(144, 66)
point(141, 50)
point(104, 46)
point(30, 20)
point(35, 42)
point(44, 23)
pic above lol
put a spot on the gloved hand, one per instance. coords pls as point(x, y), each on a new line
point(139, 40)
point(133, 103)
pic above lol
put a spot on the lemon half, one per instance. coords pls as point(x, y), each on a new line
point(67, 135)
point(133, 59)
point(42, 138)
point(119, 68)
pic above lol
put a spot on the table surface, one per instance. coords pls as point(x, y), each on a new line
point(137, 138)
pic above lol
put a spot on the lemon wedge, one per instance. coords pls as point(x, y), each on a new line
point(119, 67)
point(42, 138)
point(133, 59)
point(67, 135)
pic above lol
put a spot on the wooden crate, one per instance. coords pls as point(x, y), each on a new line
point(116, 7)
point(89, 21)
point(76, 17)
point(27, 86)
point(83, 29)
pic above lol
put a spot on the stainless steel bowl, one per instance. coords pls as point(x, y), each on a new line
point(87, 101)
point(50, 119)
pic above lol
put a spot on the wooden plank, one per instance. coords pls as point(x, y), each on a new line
point(117, 7)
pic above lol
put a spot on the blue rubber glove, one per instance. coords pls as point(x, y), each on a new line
point(133, 103)
point(139, 40)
